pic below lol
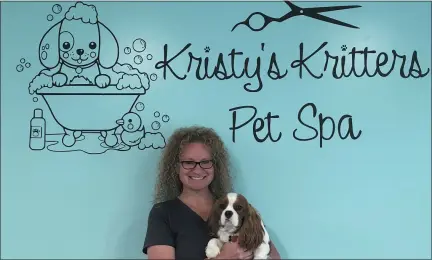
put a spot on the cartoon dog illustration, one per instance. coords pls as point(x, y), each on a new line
point(77, 46)
point(80, 50)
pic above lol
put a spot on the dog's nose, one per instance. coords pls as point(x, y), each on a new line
point(80, 51)
point(228, 213)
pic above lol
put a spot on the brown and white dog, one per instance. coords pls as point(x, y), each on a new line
point(234, 217)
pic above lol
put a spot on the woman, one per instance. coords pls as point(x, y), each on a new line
point(193, 172)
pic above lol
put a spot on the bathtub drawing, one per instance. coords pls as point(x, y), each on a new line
point(83, 108)
point(89, 105)
point(106, 116)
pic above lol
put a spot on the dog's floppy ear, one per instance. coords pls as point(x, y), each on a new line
point(109, 48)
point(213, 221)
point(251, 233)
point(49, 47)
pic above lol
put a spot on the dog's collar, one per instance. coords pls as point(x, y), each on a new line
point(76, 67)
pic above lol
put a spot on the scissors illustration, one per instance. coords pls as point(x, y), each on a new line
point(297, 11)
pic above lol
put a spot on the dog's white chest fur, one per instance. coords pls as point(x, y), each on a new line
point(224, 236)
point(81, 75)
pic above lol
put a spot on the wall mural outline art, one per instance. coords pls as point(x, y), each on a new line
point(312, 12)
point(80, 56)
point(235, 64)
point(93, 75)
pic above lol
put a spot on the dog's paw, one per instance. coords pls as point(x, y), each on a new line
point(212, 251)
point(59, 79)
point(102, 81)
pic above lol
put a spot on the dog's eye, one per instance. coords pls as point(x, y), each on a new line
point(66, 45)
point(222, 206)
point(92, 45)
point(238, 207)
point(66, 41)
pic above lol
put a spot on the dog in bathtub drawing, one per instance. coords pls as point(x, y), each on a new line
point(81, 52)
point(79, 46)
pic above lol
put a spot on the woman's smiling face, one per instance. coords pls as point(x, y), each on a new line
point(196, 170)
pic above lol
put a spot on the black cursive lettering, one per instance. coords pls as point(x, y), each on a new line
point(165, 63)
point(340, 64)
point(273, 71)
point(302, 61)
point(204, 69)
point(321, 123)
point(259, 124)
point(358, 63)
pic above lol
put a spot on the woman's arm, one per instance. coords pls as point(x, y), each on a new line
point(159, 241)
point(161, 252)
point(274, 254)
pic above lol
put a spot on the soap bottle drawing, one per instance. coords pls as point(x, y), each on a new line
point(37, 130)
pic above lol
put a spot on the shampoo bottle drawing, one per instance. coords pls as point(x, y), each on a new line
point(37, 130)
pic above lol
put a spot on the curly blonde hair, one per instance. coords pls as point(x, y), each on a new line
point(168, 184)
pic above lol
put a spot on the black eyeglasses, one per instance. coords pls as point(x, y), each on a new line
point(189, 165)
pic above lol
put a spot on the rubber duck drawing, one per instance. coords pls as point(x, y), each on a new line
point(131, 129)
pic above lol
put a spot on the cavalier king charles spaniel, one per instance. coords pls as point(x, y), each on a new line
point(234, 218)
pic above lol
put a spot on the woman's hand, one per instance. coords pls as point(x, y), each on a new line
point(232, 250)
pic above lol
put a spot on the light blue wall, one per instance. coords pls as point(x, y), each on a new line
point(364, 198)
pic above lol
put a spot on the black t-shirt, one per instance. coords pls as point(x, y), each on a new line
point(173, 223)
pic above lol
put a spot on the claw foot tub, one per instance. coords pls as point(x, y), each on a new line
point(87, 108)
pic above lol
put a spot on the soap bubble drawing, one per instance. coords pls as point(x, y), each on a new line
point(19, 68)
point(50, 17)
point(165, 118)
point(156, 125)
point(127, 50)
point(156, 114)
point(138, 59)
point(153, 77)
point(139, 106)
point(139, 45)
point(149, 57)
point(35, 99)
point(56, 8)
